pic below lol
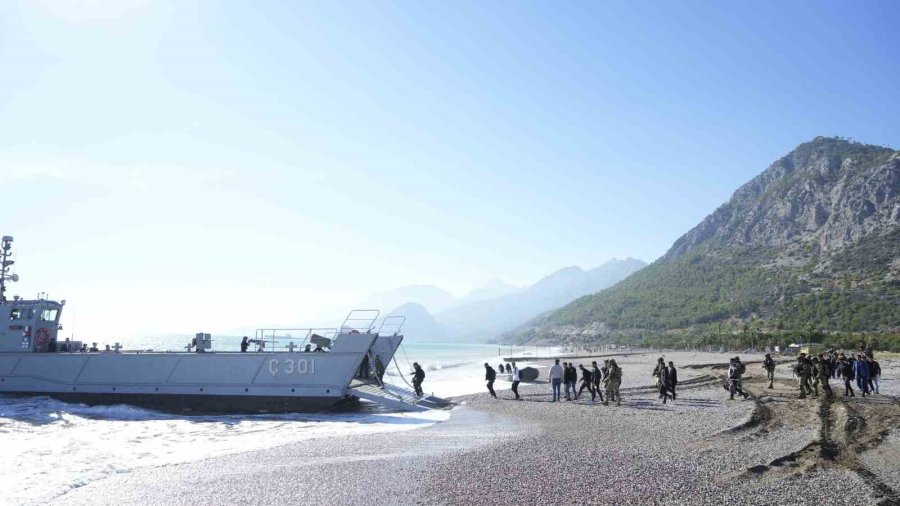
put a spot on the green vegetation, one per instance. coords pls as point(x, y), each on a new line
point(742, 284)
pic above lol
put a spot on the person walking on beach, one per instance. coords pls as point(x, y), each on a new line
point(515, 381)
point(823, 372)
point(556, 376)
point(658, 374)
point(418, 378)
point(567, 380)
point(490, 375)
point(663, 379)
point(586, 382)
point(769, 366)
point(612, 382)
point(803, 370)
point(597, 377)
point(734, 379)
point(673, 378)
point(573, 380)
point(861, 371)
point(845, 371)
point(875, 374)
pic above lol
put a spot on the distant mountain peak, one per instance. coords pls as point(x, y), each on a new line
point(492, 289)
point(429, 296)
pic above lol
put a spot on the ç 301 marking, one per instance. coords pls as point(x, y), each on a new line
point(292, 366)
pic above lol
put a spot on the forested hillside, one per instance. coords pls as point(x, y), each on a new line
point(810, 245)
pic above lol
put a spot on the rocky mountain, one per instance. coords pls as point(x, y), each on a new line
point(487, 319)
point(813, 241)
point(419, 324)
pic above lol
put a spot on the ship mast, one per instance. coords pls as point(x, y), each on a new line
point(5, 264)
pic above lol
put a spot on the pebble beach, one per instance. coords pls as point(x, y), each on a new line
point(700, 449)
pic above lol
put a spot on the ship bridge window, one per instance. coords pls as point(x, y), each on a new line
point(21, 314)
point(50, 315)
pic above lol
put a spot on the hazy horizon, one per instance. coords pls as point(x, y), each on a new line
point(171, 167)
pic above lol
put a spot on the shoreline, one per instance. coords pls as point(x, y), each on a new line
point(700, 449)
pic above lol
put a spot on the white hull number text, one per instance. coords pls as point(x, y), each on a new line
point(292, 366)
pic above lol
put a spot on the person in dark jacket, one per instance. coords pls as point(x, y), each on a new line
point(861, 371)
point(418, 377)
point(515, 381)
point(663, 373)
point(490, 375)
point(597, 377)
point(586, 382)
point(673, 379)
point(570, 378)
point(875, 370)
point(244, 344)
point(573, 379)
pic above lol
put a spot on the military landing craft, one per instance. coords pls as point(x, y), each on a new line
point(344, 365)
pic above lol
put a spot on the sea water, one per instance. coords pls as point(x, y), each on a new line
point(48, 447)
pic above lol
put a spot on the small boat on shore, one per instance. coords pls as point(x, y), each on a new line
point(281, 376)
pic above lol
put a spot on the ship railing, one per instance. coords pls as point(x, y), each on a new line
point(391, 325)
point(272, 339)
point(360, 320)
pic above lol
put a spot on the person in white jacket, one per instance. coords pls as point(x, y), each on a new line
point(556, 376)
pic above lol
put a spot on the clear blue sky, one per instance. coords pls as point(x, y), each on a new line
point(177, 166)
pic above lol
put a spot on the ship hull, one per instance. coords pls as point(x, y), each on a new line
point(210, 382)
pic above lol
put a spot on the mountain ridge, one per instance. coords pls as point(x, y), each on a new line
point(488, 319)
point(812, 240)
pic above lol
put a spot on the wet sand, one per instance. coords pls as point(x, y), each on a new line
point(701, 449)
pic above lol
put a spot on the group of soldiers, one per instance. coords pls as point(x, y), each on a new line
point(818, 369)
point(609, 375)
point(811, 371)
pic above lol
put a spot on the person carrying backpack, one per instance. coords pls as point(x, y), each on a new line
point(735, 370)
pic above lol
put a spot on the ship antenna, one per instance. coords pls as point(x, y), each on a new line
point(5, 263)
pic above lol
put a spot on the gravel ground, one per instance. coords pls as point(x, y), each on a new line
point(884, 460)
point(696, 450)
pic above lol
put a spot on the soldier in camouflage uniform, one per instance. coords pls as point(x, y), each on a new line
point(769, 366)
point(803, 372)
point(612, 382)
point(821, 372)
point(735, 371)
